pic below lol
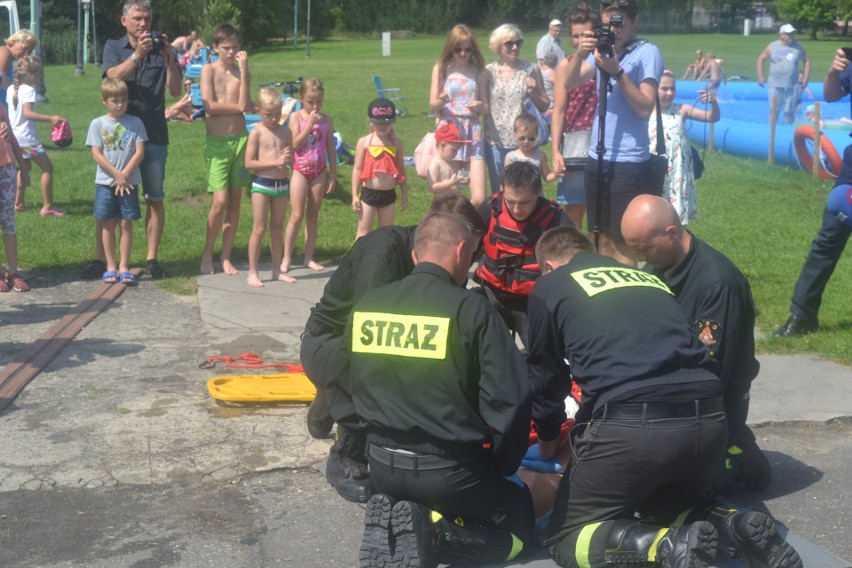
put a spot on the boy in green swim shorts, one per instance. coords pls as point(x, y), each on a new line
point(269, 155)
point(226, 94)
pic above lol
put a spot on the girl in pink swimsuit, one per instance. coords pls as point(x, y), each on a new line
point(314, 171)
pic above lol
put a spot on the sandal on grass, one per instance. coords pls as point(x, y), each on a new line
point(110, 277)
point(127, 279)
point(20, 208)
point(93, 270)
point(18, 283)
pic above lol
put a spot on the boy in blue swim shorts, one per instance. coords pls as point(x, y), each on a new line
point(269, 155)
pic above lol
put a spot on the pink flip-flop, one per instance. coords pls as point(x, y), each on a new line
point(18, 283)
point(20, 208)
point(53, 212)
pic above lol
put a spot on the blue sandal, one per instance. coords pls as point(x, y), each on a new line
point(127, 279)
point(110, 277)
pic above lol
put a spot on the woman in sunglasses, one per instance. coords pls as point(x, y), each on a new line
point(182, 109)
point(510, 81)
point(459, 94)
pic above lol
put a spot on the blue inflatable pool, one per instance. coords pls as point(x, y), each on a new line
point(743, 129)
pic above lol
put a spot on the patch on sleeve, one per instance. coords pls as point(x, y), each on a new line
point(708, 332)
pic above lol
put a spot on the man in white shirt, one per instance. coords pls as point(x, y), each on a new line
point(550, 42)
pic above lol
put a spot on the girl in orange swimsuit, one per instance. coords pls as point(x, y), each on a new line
point(378, 170)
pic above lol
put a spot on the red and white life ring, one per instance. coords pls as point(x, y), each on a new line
point(801, 136)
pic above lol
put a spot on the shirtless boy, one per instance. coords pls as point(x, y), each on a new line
point(269, 156)
point(226, 94)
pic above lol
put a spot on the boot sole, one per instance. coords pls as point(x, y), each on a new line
point(702, 542)
point(759, 544)
point(376, 549)
point(413, 536)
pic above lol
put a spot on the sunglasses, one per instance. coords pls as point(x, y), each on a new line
point(463, 50)
point(526, 138)
point(510, 44)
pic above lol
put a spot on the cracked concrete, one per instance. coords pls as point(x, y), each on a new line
point(125, 402)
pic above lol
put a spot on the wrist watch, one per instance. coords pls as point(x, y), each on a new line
point(618, 75)
point(133, 57)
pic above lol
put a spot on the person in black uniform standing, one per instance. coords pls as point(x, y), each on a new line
point(444, 393)
point(652, 425)
point(376, 259)
point(516, 217)
point(718, 304)
point(831, 239)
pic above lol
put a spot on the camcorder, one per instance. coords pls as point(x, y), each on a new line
point(605, 34)
point(159, 42)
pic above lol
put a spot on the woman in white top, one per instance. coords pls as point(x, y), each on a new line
point(679, 187)
point(510, 81)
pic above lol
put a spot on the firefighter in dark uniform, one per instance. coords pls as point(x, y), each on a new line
point(652, 421)
point(381, 257)
point(717, 300)
point(516, 217)
point(445, 397)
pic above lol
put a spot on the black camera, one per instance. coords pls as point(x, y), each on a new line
point(605, 34)
point(157, 39)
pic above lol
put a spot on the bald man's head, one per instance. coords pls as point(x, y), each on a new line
point(652, 228)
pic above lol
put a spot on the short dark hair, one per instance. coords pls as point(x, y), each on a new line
point(460, 206)
point(439, 231)
point(522, 176)
point(224, 31)
point(561, 244)
point(582, 14)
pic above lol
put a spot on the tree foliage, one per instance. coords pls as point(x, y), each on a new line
point(812, 15)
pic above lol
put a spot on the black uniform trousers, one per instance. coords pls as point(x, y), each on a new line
point(820, 264)
point(325, 364)
point(824, 254)
point(620, 466)
point(461, 487)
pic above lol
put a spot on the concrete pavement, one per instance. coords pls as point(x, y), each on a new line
point(122, 419)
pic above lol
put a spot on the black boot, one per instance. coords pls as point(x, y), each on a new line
point(346, 468)
point(753, 538)
point(376, 544)
point(630, 544)
point(319, 422)
point(411, 532)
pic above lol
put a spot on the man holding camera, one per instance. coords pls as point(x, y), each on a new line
point(631, 68)
point(146, 61)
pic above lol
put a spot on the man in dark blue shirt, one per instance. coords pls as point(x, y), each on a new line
point(834, 233)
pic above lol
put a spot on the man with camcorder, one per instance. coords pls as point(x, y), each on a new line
point(628, 70)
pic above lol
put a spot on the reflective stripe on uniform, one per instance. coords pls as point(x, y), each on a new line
point(596, 280)
point(652, 552)
point(517, 547)
point(422, 337)
point(584, 541)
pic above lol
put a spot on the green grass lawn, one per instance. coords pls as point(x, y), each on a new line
point(763, 217)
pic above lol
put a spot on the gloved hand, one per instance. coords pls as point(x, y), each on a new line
point(533, 460)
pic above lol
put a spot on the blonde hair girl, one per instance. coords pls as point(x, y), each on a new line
point(313, 142)
point(20, 100)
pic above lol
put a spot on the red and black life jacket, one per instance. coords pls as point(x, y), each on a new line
point(509, 263)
